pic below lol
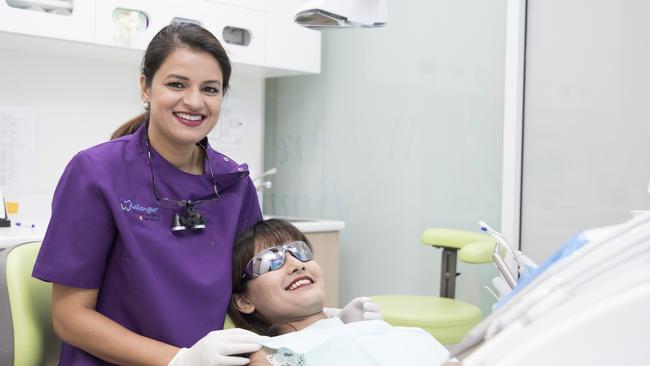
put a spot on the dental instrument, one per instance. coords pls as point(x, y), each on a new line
point(513, 258)
point(503, 267)
point(519, 263)
point(501, 286)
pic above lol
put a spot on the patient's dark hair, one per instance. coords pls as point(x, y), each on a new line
point(264, 234)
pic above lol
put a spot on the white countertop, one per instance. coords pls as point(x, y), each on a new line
point(19, 234)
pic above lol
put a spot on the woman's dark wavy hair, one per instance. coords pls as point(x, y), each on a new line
point(264, 234)
point(168, 39)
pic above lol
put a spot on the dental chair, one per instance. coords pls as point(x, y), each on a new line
point(446, 319)
point(26, 334)
point(587, 304)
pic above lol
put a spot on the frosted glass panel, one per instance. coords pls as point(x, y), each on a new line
point(587, 118)
point(400, 132)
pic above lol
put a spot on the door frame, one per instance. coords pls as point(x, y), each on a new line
point(513, 120)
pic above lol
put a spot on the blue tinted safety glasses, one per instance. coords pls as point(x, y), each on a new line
point(273, 258)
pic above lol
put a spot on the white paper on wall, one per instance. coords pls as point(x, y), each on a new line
point(17, 149)
point(230, 130)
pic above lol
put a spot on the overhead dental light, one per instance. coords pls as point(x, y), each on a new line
point(325, 14)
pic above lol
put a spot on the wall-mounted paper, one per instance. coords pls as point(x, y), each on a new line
point(17, 149)
point(230, 131)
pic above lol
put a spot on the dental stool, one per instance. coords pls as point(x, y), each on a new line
point(446, 319)
point(26, 334)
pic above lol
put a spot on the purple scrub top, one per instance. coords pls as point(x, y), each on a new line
point(107, 232)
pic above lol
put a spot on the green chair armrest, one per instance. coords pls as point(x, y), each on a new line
point(478, 252)
point(452, 238)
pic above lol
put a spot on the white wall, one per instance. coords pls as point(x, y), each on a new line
point(401, 132)
point(79, 101)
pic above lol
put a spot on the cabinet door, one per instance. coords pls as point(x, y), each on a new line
point(217, 17)
point(114, 26)
point(247, 4)
point(242, 31)
point(77, 26)
point(290, 46)
point(326, 253)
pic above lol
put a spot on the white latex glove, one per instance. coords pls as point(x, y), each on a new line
point(216, 348)
point(361, 308)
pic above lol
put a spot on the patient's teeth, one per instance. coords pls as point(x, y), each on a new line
point(299, 283)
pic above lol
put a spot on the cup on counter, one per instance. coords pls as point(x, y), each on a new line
point(12, 207)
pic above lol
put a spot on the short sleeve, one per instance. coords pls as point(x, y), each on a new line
point(81, 229)
point(250, 214)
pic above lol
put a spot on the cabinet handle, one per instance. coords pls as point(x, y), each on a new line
point(236, 36)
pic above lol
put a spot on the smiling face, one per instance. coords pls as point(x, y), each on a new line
point(293, 292)
point(185, 97)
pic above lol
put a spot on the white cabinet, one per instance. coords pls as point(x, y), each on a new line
point(254, 33)
point(79, 25)
point(290, 46)
point(245, 43)
point(126, 23)
point(241, 31)
point(247, 4)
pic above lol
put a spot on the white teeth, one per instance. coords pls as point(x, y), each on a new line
point(189, 116)
point(299, 283)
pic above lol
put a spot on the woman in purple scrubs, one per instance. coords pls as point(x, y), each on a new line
point(139, 246)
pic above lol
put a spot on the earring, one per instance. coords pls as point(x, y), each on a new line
point(146, 106)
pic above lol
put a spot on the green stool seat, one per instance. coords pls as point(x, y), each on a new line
point(447, 320)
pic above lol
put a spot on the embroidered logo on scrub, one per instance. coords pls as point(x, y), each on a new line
point(143, 212)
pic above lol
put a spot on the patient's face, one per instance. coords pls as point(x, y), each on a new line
point(293, 291)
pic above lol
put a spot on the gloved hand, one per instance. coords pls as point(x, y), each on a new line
point(361, 308)
point(216, 348)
